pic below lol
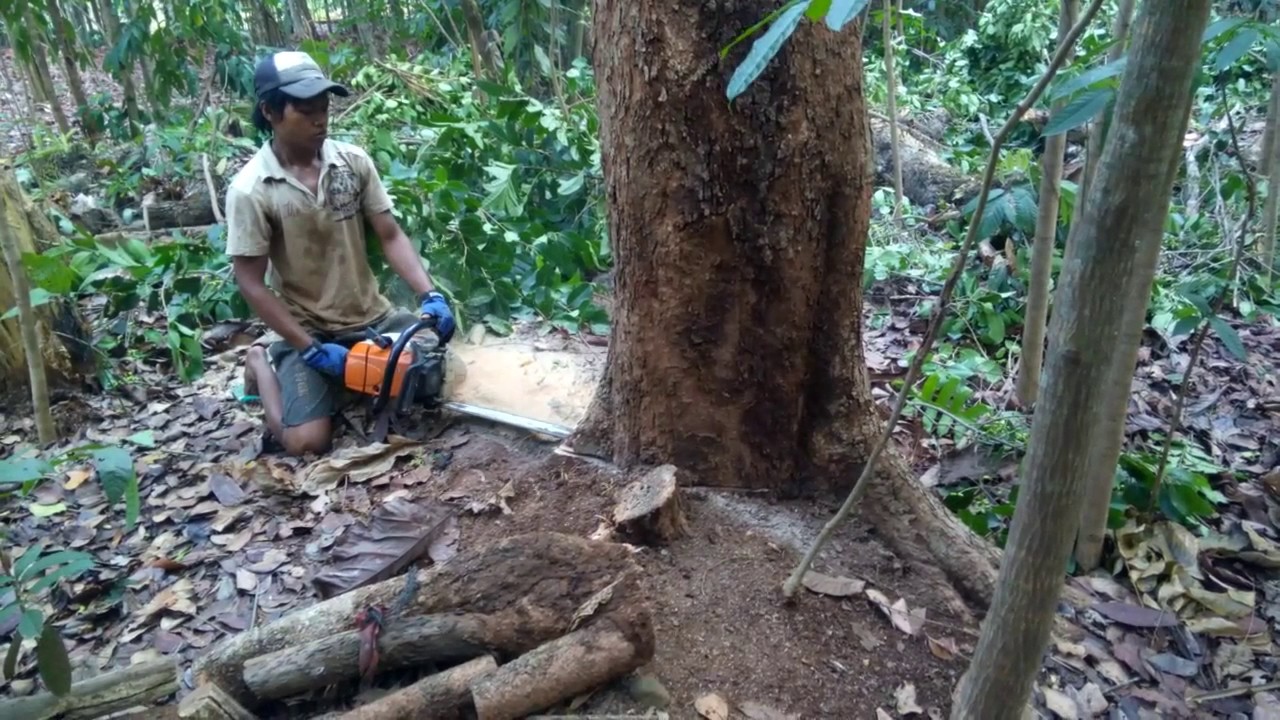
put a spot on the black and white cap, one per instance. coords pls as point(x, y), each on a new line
point(295, 74)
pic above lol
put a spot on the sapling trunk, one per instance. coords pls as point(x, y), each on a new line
point(1098, 130)
point(27, 321)
point(892, 107)
point(1113, 257)
point(1097, 502)
point(1271, 209)
point(1042, 247)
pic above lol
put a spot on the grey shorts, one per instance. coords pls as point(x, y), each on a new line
point(308, 394)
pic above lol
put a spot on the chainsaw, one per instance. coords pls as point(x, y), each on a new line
point(408, 371)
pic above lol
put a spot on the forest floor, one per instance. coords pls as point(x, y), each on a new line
point(231, 538)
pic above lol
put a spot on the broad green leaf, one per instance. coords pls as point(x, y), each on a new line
point(68, 557)
point(817, 8)
point(15, 471)
point(1087, 78)
point(1273, 55)
point(29, 625)
point(1079, 111)
point(843, 12)
point(52, 661)
point(764, 48)
point(115, 471)
point(1185, 326)
point(1219, 27)
point(38, 296)
point(1235, 49)
point(46, 510)
point(724, 51)
point(1230, 339)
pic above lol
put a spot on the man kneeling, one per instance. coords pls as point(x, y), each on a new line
point(299, 208)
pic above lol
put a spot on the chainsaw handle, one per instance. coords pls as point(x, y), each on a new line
point(427, 322)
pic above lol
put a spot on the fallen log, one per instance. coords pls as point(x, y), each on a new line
point(543, 575)
point(563, 668)
point(116, 237)
point(195, 210)
point(443, 696)
point(927, 179)
point(112, 692)
point(405, 642)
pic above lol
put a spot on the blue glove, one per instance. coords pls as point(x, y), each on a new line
point(328, 358)
point(433, 303)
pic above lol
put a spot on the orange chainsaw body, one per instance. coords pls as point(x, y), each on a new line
point(367, 367)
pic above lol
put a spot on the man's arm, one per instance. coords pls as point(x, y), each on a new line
point(396, 246)
point(251, 273)
point(400, 254)
point(248, 242)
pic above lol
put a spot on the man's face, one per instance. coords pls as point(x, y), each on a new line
point(304, 122)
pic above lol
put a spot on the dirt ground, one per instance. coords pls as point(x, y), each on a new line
point(722, 625)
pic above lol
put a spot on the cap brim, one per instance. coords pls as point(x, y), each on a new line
point(312, 87)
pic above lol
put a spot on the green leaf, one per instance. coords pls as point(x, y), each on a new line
point(1235, 49)
point(724, 51)
point(46, 510)
point(39, 296)
point(1185, 326)
point(53, 662)
point(817, 9)
point(115, 471)
point(1079, 111)
point(1218, 27)
point(18, 471)
point(1088, 78)
point(29, 625)
point(844, 11)
point(68, 557)
point(1230, 339)
point(143, 438)
point(765, 47)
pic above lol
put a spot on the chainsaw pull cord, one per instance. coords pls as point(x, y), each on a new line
point(384, 392)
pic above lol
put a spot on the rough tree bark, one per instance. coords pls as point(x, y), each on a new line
point(738, 232)
point(1114, 256)
point(1045, 239)
point(28, 326)
point(1271, 209)
point(39, 65)
point(63, 336)
point(111, 28)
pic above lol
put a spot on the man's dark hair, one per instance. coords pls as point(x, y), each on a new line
point(274, 99)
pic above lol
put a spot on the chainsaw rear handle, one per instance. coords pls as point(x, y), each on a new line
point(427, 322)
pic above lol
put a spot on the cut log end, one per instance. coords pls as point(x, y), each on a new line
point(210, 702)
point(562, 669)
point(649, 510)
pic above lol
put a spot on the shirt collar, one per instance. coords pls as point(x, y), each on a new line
point(272, 169)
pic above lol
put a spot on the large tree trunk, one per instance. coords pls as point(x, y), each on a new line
point(1105, 287)
point(739, 234)
point(111, 29)
point(63, 337)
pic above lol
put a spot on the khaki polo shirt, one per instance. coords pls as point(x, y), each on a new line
point(319, 261)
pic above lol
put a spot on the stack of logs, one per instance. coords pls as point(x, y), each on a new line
point(513, 629)
point(502, 631)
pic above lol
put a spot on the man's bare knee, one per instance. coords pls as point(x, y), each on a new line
point(315, 436)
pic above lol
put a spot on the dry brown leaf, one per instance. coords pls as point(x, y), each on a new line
point(76, 478)
point(445, 545)
point(833, 585)
point(944, 648)
point(882, 714)
point(246, 580)
point(359, 463)
point(712, 707)
point(905, 699)
point(757, 711)
point(1090, 701)
point(592, 604)
point(271, 560)
point(1060, 704)
point(398, 533)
